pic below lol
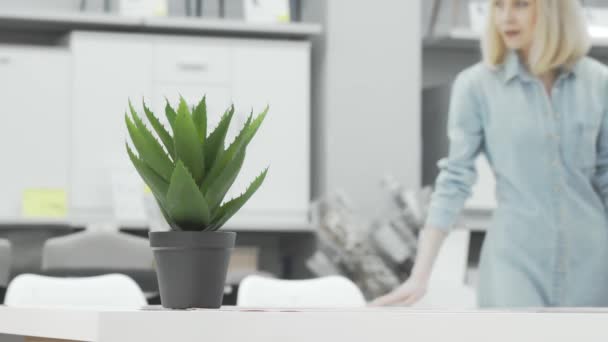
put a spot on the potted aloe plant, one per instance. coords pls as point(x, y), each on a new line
point(189, 173)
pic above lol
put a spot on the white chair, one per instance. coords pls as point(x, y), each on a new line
point(108, 291)
point(331, 291)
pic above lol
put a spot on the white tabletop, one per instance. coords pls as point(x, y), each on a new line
point(349, 325)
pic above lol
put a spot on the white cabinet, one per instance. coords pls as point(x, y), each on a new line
point(275, 74)
point(34, 134)
point(193, 68)
point(110, 68)
point(192, 60)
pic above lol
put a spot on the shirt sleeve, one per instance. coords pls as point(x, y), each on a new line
point(457, 170)
point(600, 179)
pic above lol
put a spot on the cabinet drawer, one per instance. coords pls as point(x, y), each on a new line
point(187, 63)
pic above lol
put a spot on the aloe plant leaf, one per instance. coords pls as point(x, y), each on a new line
point(162, 132)
point(168, 218)
point(147, 134)
point(156, 183)
point(187, 146)
point(186, 205)
point(199, 116)
point(170, 113)
point(220, 186)
point(228, 209)
point(215, 141)
point(149, 149)
point(241, 141)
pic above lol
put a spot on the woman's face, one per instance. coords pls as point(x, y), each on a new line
point(515, 21)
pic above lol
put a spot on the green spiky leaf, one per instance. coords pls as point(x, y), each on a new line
point(187, 146)
point(170, 113)
point(189, 172)
point(241, 141)
point(156, 183)
point(158, 186)
point(199, 116)
point(149, 149)
point(218, 189)
point(150, 138)
point(185, 203)
point(162, 132)
point(166, 215)
point(228, 209)
point(215, 142)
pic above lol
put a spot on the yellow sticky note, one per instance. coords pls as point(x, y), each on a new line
point(284, 18)
point(147, 189)
point(45, 203)
point(161, 9)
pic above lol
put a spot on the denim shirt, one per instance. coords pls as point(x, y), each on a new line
point(549, 155)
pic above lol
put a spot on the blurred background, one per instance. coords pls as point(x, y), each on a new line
point(358, 93)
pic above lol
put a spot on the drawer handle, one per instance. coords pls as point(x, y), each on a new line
point(191, 66)
point(4, 60)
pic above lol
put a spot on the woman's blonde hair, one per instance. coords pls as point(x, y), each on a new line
point(560, 38)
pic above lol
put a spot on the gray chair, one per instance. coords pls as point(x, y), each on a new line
point(100, 247)
point(5, 267)
point(101, 250)
point(5, 262)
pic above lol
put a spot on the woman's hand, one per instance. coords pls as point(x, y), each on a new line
point(406, 294)
point(414, 288)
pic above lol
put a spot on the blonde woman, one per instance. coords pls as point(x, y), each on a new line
point(537, 108)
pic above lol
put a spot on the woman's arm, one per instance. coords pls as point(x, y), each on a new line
point(414, 288)
point(452, 188)
point(457, 171)
point(600, 179)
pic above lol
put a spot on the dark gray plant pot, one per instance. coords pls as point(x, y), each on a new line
point(191, 267)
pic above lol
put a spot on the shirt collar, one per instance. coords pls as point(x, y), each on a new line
point(513, 67)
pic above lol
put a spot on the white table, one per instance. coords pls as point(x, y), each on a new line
point(327, 325)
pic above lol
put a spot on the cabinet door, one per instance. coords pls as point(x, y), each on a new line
point(34, 92)
point(277, 74)
point(108, 71)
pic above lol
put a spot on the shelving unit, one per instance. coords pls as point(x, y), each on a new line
point(208, 41)
point(457, 38)
point(467, 39)
point(59, 22)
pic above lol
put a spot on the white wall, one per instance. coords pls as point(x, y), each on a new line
point(367, 115)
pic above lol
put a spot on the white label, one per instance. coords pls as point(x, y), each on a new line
point(267, 10)
point(142, 8)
